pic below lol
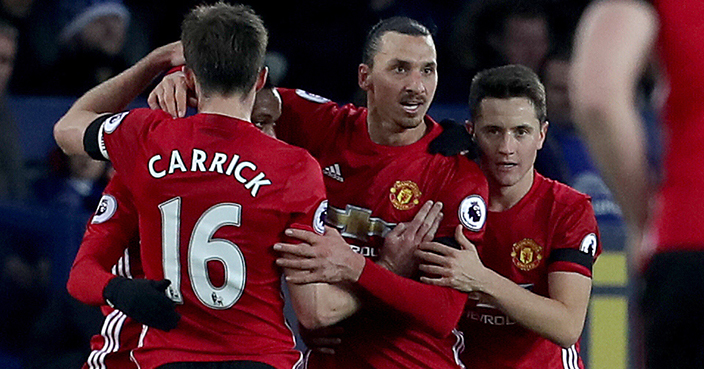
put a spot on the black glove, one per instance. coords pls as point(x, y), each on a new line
point(143, 300)
point(453, 140)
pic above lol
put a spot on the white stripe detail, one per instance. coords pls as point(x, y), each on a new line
point(112, 327)
point(306, 358)
point(128, 269)
point(458, 347)
point(570, 358)
point(101, 142)
point(123, 268)
point(140, 343)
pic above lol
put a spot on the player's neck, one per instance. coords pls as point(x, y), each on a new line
point(502, 198)
point(232, 106)
point(387, 133)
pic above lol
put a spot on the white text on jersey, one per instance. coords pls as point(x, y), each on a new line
point(216, 163)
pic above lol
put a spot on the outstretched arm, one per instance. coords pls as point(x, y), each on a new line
point(113, 96)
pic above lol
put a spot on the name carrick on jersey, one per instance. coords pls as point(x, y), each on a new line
point(213, 195)
point(371, 188)
point(111, 233)
point(552, 229)
point(680, 209)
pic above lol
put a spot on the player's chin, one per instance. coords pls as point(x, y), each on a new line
point(505, 179)
point(411, 121)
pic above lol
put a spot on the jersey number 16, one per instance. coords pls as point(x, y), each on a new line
point(202, 248)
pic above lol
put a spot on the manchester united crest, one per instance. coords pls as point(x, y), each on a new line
point(526, 254)
point(404, 195)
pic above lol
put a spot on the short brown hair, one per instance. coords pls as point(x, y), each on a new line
point(504, 83)
point(224, 45)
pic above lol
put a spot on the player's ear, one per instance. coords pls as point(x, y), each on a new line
point(261, 78)
point(363, 72)
point(190, 78)
point(543, 133)
point(469, 126)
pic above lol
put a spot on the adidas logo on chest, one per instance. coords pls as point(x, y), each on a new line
point(333, 171)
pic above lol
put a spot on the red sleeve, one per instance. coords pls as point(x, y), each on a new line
point(308, 205)
point(112, 229)
point(305, 118)
point(464, 200)
point(576, 245)
point(438, 309)
point(123, 134)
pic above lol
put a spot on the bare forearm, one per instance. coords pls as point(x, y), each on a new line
point(320, 305)
point(110, 96)
point(555, 320)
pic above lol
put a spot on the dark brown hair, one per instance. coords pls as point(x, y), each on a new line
point(224, 45)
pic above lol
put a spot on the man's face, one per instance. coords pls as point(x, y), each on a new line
point(401, 85)
point(526, 41)
point(8, 48)
point(509, 136)
point(267, 110)
point(556, 81)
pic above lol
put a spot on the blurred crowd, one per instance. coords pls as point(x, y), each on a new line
point(65, 47)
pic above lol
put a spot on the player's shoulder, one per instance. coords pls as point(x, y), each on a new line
point(461, 166)
point(288, 94)
point(562, 194)
point(144, 116)
point(302, 99)
point(283, 149)
point(147, 114)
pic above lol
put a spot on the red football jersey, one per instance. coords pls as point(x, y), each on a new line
point(371, 188)
point(679, 214)
point(213, 195)
point(551, 229)
point(112, 227)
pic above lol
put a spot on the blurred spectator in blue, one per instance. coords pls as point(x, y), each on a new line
point(565, 156)
point(37, 46)
point(71, 191)
point(91, 45)
point(72, 183)
point(12, 171)
point(24, 291)
point(491, 33)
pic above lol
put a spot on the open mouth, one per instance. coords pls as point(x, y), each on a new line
point(411, 107)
